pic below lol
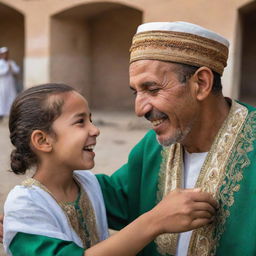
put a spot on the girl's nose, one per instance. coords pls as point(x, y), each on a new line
point(94, 131)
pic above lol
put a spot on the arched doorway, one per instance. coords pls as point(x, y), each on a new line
point(248, 53)
point(12, 36)
point(90, 51)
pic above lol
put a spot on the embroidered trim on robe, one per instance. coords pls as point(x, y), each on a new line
point(210, 179)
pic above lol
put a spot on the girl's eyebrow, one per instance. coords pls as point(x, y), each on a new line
point(83, 114)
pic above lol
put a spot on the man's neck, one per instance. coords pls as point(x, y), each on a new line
point(211, 119)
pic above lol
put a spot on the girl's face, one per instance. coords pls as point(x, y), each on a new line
point(75, 134)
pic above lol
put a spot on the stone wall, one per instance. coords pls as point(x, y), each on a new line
point(85, 42)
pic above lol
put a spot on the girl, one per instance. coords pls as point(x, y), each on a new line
point(61, 211)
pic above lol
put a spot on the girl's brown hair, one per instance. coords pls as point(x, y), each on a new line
point(33, 109)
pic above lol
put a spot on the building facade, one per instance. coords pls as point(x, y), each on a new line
point(85, 43)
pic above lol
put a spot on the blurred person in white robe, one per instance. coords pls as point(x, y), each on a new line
point(8, 70)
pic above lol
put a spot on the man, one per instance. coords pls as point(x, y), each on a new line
point(199, 139)
point(8, 71)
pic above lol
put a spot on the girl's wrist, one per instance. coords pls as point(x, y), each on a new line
point(152, 224)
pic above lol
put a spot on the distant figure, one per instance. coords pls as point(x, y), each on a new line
point(8, 70)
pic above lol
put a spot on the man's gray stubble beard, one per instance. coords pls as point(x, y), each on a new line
point(178, 137)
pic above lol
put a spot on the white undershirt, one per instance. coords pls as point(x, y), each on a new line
point(192, 165)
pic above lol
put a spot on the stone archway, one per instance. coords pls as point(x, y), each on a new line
point(90, 51)
point(248, 53)
point(12, 36)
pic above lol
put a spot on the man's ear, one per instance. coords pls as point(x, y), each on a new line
point(203, 78)
point(41, 141)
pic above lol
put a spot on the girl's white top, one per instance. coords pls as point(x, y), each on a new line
point(33, 210)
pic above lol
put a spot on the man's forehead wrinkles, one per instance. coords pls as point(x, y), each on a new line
point(142, 78)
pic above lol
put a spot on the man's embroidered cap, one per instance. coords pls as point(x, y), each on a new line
point(180, 42)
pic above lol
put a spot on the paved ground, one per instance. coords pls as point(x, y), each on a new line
point(119, 133)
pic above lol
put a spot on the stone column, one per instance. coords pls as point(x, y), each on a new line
point(37, 38)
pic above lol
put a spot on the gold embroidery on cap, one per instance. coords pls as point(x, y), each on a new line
point(179, 47)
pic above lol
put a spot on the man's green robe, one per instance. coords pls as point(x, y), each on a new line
point(229, 173)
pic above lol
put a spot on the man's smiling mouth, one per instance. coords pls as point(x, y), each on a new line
point(157, 122)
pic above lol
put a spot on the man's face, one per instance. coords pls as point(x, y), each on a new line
point(162, 99)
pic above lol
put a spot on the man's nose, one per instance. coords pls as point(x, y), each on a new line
point(142, 105)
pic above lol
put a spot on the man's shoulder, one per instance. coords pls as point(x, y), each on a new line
point(150, 136)
point(148, 144)
point(149, 140)
point(249, 107)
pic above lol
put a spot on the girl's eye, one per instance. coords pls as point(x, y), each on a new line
point(80, 121)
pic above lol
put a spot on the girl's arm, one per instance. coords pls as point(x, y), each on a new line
point(179, 211)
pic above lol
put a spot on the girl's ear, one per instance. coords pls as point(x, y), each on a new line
point(41, 141)
point(204, 82)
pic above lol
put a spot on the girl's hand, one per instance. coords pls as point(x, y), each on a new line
point(183, 210)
